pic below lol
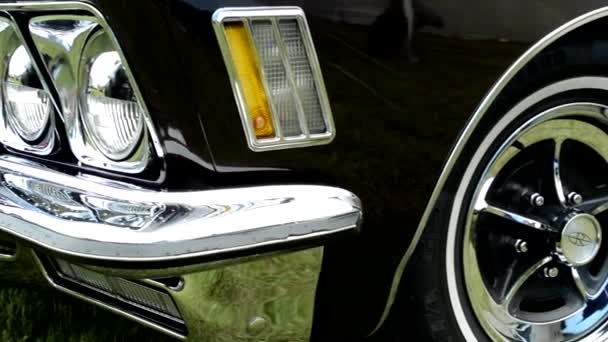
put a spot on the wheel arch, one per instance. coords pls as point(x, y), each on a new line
point(565, 34)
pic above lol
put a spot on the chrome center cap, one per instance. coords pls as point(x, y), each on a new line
point(580, 240)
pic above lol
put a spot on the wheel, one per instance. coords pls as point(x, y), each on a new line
point(530, 245)
point(517, 248)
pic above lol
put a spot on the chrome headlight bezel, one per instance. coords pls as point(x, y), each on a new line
point(21, 82)
point(44, 141)
point(102, 65)
point(61, 41)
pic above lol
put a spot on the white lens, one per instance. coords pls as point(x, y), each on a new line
point(28, 106)
point(111, 114)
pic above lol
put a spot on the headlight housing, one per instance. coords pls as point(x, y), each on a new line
point(27, 117)
point(105, 118)
point(109, 109)
point(28, 105)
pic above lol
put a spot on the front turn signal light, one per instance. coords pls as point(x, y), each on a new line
point(275, 76)
point(248, 72)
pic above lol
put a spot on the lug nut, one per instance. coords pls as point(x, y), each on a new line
point(521, 246)
point(575, 198)
point(537, 200)
point(551, 272)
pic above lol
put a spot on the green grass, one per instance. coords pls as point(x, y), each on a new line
point(45, 314)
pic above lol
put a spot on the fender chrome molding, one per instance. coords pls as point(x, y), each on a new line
point(470, 126)
point(81, 217)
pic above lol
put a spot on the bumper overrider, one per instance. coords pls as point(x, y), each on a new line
point(237, 263)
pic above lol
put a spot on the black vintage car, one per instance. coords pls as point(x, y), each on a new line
point(311, 169)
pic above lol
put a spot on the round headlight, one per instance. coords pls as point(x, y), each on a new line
point(110, 111)
point(28, 105)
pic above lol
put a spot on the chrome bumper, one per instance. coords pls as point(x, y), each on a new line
point(207, 238)
point(89, 219)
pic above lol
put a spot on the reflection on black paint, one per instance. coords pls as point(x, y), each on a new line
point(395, 120)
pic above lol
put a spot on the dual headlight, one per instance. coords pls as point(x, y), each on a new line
point(28, 105)
point(75, 72)
point(109, 109)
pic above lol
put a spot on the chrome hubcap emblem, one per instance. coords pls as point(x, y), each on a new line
point(580, 240)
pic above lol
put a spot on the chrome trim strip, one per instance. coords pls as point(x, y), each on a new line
point(79, 217)
point(468, 131)
point(246, 14)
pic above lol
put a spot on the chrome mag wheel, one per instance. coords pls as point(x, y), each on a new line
point(535, 249)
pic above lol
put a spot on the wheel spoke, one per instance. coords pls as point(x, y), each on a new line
point(514, 217)
point(588, 285)
point(594, 206)
point(520, 281)
point(557, 179)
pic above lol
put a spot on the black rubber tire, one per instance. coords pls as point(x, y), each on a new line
point(422, 310)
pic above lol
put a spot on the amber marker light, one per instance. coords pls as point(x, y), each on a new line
point(247, 70)
point(275, 77)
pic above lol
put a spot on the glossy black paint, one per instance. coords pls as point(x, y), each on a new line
point(396, 120)
point(395, 126)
